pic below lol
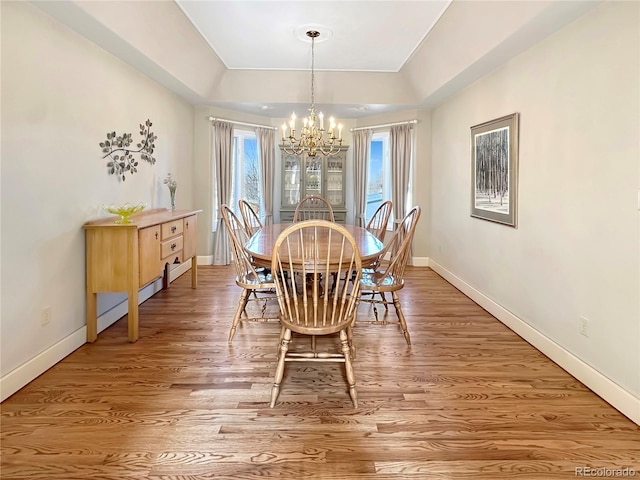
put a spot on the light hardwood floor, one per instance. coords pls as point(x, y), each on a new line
point(469, 399)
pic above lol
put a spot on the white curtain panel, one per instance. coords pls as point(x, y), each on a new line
point(223, 166)
point(400, 156)
point(267, 153)
point(361, 147)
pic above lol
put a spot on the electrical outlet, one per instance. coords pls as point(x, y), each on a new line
point(45, 316)
point(584, 326)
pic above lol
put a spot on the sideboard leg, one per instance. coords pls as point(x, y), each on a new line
point(166, 279)
point(194, 272)
point(92, 317)
point(132, 323)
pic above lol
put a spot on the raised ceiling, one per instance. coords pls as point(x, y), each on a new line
point(374, 36)
point(374, 57)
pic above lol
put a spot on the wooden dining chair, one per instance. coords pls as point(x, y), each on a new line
point(388, 274)
point(248, 277)
point(377, 224)
point(250, 218)
point(309, 306)
point(313, 207)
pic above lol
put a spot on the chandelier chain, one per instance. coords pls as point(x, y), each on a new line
point(313, 101)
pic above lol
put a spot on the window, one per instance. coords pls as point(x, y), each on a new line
point(379, 175)
point(246, 170)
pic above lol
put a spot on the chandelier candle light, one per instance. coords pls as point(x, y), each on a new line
point(312, 136)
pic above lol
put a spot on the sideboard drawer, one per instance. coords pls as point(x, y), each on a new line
point(171, 229)
point(173, 258)
point(171, 246)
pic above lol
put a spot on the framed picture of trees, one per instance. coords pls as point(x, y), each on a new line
point(494, 158)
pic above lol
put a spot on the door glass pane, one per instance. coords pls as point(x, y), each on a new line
point(334, 181)
point(313, 177)
point(291, 185)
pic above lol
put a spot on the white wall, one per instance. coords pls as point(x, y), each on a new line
point(575, 252)
point(61, 94)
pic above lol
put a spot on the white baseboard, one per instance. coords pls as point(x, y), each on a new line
point(420, 261)
point(622, 400)
point(25, 373)
point(30, 370)
point(205, 260)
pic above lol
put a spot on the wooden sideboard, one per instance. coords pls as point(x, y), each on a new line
point(126, 257)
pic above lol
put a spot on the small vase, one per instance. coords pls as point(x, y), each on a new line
point(172, 191)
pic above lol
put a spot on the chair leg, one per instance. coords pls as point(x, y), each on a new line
point(403, 322)
point(284, 347)
point(373, 302)
point(348, 366)
point(282, 329)
point(352, 325)
point(384, 300)
point(242, 303)
point(352, 345)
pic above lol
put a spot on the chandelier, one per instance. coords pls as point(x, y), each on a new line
point(312, 138)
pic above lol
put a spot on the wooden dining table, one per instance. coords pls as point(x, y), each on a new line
point(260, 245)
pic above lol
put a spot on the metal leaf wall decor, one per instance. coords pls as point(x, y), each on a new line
point(121, 156)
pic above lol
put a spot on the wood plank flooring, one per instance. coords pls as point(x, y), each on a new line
point(468, 400)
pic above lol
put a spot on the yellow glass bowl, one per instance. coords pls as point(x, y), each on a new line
point(124, 211)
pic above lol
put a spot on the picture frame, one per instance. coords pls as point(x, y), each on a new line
point(494, 176)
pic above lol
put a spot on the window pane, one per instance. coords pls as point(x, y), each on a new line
point(376, 178)
point(251, 173)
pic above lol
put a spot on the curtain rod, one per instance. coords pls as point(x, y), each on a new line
point(213, 119)
point(385, 125)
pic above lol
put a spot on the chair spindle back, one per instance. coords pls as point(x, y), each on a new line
point(313, 207)
point(250, 218)
point(399, 247)
point(309, 260)
point(237, 238)
point(377, 225)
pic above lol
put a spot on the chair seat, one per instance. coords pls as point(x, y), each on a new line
point(380, 282)
point(255, 281)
